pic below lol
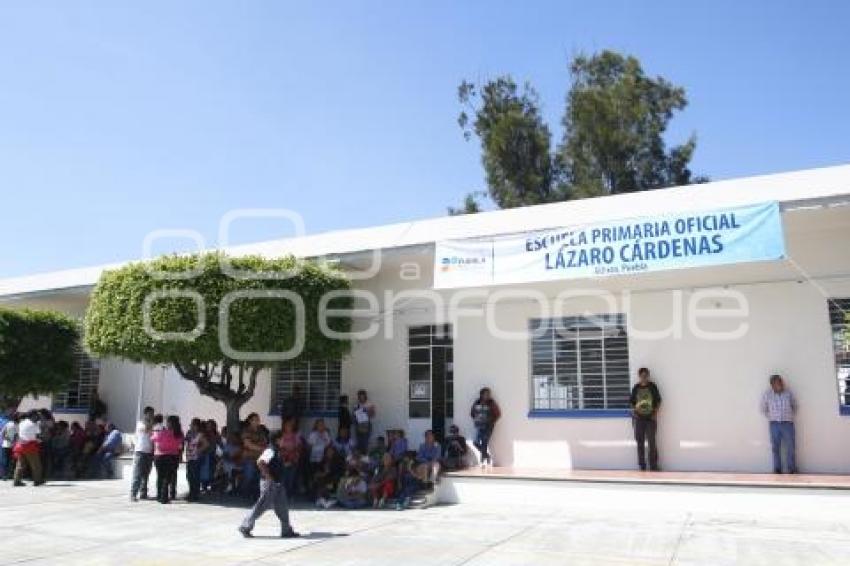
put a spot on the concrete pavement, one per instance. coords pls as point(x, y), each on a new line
point(93, 523)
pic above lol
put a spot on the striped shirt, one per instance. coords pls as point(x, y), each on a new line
point(779, 407)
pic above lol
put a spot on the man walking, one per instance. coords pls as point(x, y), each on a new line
point(645, 401)
point(779, 406)
point(272, 493)
point(142, 456)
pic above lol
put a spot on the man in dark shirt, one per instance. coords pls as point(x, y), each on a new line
point(645, 401)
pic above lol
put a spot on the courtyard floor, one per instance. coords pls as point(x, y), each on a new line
point(93, 523)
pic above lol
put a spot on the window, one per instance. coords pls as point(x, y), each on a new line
point(838, 309)
point(579, 363)
point(315, 383)
point(81, 391)
point(431, 372)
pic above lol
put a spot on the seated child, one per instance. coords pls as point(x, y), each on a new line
point(455, 450)
point(398, 447)
point(376, 454)
point(382, 483)
point(344, 443)
point(359, 461)
point(352, 490)
point(327, 476)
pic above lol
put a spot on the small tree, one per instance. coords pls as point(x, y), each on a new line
point(36, 354)
point(184, 297)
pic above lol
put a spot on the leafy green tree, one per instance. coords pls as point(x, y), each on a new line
point(515, 142)
point(613, 134)
point(37, 350)
point(222, 349)
point(470, 205)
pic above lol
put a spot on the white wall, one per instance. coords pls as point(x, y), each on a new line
point(710, 419)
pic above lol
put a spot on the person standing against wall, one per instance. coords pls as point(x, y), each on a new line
point(485, 412)
point(646, 401)
point(364, 412)
point(779, 405)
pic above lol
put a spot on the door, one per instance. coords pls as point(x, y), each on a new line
point(431, 375)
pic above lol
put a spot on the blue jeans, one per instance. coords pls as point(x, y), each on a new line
point(107, 469)
point(482, 441)
point(782, 433)
point(5, 461)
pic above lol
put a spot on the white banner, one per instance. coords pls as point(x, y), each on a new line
point(620, 247)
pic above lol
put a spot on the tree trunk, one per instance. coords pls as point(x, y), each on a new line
point(234, 422)
point(220, 389)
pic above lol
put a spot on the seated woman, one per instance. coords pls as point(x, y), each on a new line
point(408, 482)
point(327, 476)
point(428, 459)
point(382, 484)
point(352, 490)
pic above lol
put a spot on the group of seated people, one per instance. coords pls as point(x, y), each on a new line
point(65, 451)
point(331, 470)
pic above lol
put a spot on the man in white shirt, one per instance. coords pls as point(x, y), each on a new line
point(29, 450)
point(142, 455)
point(272, 493)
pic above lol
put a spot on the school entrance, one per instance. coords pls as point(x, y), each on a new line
point(431, 375)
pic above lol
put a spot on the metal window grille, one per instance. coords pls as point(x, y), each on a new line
point(83, 386)
point(317, 384)
point(580, 362)
point(838, 312)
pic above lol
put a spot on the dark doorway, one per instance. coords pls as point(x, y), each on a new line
point(431, 375)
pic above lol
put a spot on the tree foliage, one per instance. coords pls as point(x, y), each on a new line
point(37, 350)
point(515, 142)
point(115, 321)
point(613, 134)
point(470, 205)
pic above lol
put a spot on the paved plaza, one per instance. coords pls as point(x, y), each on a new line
point(93, 523)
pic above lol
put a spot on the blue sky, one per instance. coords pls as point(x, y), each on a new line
point(119, 119)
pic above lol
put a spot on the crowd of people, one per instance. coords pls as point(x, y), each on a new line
point(35, 446)
point(348, 467)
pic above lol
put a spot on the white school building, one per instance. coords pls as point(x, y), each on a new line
point(714, 287)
